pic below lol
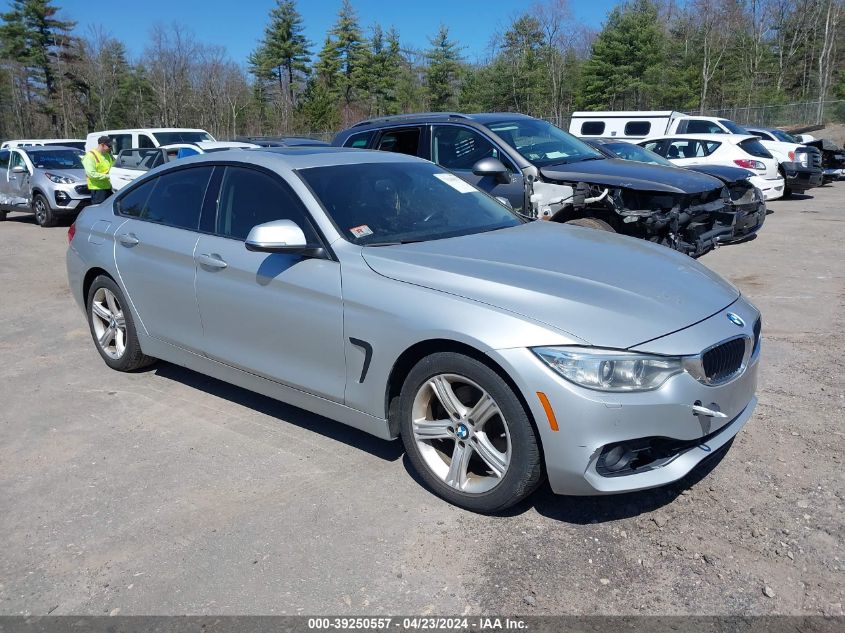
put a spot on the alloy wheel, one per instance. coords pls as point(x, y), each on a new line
point(461, 433)
point(109, 323)
point(40, 210)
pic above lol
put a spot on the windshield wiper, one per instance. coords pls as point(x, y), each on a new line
point(397, 243)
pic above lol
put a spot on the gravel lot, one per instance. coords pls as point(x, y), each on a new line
point(165, 492)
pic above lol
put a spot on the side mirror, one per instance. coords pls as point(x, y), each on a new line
point(492, 167)
point(281, 236)
point(18, 169)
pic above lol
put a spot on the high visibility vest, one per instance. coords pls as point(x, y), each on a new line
point(102, 164)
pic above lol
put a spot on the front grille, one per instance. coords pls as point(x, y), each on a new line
point(723, 361)
point(82, 190)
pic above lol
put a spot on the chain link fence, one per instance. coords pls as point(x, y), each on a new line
point(788, 114)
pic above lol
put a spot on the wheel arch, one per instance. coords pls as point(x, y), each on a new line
point(416, 352)
point(89, 278)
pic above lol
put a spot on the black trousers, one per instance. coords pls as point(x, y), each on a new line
point(99, 195)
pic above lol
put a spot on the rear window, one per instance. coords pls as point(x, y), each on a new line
point(637, 128)
point(359, 140)
point(754, 147)
point(592, 128)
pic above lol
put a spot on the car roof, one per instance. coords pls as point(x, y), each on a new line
point(481, 118)
point(732, 138)
point(37, 149)
point(304, 157)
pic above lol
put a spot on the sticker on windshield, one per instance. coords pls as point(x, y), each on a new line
point(455, 183)
point(361, 231)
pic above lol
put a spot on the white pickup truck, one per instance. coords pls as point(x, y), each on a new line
point(798, 164)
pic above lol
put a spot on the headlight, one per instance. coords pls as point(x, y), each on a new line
point(804, 158)
point(60, 180)
point(610, 370)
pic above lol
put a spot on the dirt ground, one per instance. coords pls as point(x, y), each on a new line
point(834, 132)
point(165, 492)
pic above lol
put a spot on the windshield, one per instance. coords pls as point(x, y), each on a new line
point(57, 159)
point(169, 138)
point(783, 136)
point(629, 151)
point(542, 143)
point(389, 203)
point(733, 127)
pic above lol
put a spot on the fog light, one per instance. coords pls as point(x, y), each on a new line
point(62, 198)
point(617, 458)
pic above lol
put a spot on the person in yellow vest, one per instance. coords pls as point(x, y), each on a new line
point(97, 163)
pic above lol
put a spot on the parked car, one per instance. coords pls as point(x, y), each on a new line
point(796, 161)
point(64, 142)
point(133, 162)
point(833, 159)
point(384, 292)
point(147, 137)
point(46, 180)
point(806, 170)
point(546, 173)
point(733, 150)
point(748, 210)
point(283, 141)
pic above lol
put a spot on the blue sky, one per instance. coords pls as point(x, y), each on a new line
point(239, 25)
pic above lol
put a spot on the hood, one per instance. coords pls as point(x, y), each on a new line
point(728, 175)
point(605, 289)
point(75, 174)
point(616, 172)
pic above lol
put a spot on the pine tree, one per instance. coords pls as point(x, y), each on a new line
point(443, 72)
point(33, 37)
point(349, 44)
point(624, 70)
point(284, 54)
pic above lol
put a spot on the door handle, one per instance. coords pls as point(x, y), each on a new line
point(212, 261)
point(129, 240)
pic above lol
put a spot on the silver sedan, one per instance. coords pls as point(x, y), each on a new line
point(381, 291)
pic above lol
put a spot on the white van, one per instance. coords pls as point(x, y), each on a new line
point(646, 124)
point(148, 137)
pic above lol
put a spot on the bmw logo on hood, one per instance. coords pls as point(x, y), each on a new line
point(735, 319)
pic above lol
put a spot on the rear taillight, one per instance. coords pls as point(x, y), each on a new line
point(750, 164)
point(792, 156)
point(71, 231)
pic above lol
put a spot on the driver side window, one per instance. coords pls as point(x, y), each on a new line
point(458, 148)
point(249, 197)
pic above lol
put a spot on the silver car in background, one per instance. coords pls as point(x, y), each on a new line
point(48, 181)
point(381, 291)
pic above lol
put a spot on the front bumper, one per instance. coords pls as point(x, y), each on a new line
point(69, 199)
point(800, 178)
point(591, 421)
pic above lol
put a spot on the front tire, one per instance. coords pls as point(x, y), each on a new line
point(44, 215)
point(112, 326)
point(592, 223)
point(467, 434)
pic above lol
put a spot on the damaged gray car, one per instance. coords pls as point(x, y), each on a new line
point(545, 173)
point(748, 206)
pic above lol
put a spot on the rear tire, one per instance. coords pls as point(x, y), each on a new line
point(3, 216)
point(113, 327)
point(483, 425)
point(592, 223)
point(44, 215)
